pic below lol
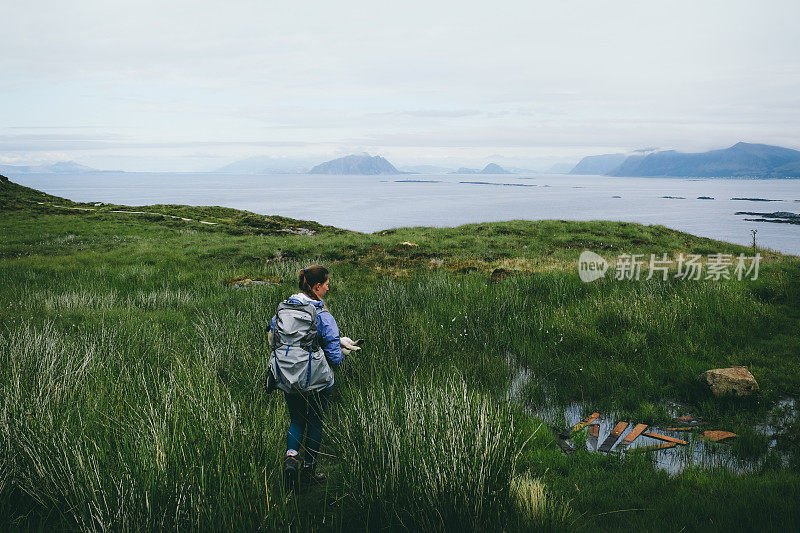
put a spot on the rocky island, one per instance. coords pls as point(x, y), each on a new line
point(356, 164)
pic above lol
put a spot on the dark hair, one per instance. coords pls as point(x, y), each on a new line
point(308, 277)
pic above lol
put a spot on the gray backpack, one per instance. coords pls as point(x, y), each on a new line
point(297, 363)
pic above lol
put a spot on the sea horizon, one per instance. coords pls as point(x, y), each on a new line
point(369, 203)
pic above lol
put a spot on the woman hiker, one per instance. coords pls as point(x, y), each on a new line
point(305, 348)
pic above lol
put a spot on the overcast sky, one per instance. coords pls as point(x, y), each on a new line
point(194, 85)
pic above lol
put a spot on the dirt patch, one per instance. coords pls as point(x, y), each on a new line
point(499, 273)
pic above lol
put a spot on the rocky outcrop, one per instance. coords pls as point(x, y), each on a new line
point(299, 231)
point(241, 282)
point(733, 381)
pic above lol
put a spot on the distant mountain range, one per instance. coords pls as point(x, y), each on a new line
point(740, 160)
point(351, 164)
point(491, 168)
point(366, 164)
point(356, 164)
point(265, 165)
point(598, 164)
point(64, 167)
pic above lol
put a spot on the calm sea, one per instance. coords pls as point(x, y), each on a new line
point(372, 203)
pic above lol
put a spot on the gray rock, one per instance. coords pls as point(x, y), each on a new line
point(299, 231)
point(243, 282)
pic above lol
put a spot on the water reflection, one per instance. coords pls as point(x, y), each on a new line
point(697, 452)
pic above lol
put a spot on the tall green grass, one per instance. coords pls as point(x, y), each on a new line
point(434, 455)
point(131, 379)
point(147, 412)
point(111, 431)
point(426, 456)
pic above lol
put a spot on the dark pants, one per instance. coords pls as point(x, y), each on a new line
point(306, 412)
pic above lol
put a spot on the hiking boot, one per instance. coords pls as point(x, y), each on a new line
point(290, 467)
point(309, 474)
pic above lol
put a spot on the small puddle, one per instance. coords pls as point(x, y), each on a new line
point(697, 452)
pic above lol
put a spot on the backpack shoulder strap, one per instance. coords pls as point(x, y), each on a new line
point(314, 314)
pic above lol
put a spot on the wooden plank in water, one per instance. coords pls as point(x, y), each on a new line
point(586, 421)
point(664, 438)
point(717, 435)
point(635, 432)
point(652, 448)
point(580, 425)
point(613, 436)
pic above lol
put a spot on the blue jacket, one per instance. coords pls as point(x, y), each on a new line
point(327, 329)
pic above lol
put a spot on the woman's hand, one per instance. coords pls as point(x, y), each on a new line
point(348, 345)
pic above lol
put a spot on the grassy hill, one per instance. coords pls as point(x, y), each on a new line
point(131, 374)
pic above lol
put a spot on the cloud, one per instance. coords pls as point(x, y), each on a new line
point(34, 143)
point(438, 113)
point(166, 80)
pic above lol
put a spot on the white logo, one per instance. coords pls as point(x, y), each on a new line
point(591, 266)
